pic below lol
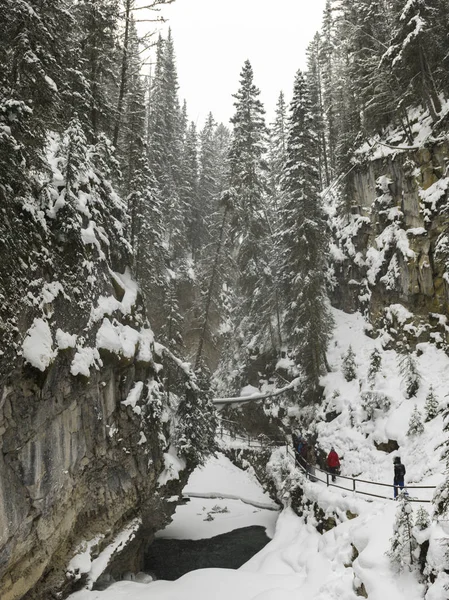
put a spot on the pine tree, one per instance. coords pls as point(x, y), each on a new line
point(410, 375)
point(277, 156)
point(415, 425)
point(35, 53)
point(307, 320)
point(72, 154)
point(403, 542)
point(422, 519)
point(248, 177)
point(197, 419)
point(431, 407)
point(348, 366)
point(441, 496)
point(249, 226)
point(130, 124)
point(315, 84)
point(375, 366)
point(97, 26)
point(189, 192)
point(165, 142)
point(411, 50)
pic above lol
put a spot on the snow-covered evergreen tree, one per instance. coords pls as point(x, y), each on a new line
point(189, 192)
point(411, 51)
point(348, 365)
point(304, 246)
point(375, 366)
point(411, 378)
point(403, 542)
point(250, 239)
point(197, 419)
point(422, 520)
point(415, 425)
point(431, 407)
point(277, 155)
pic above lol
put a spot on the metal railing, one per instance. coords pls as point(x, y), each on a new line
point(316, 474)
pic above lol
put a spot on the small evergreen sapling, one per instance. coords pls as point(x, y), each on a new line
point(410, 375)
point(403, 542)
point(415, 425)
point(431, 405)
point(375, 366)
point(349, 367)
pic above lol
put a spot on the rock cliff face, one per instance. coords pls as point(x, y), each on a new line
point(391, 253)
point(81, 456)
point(85, 425)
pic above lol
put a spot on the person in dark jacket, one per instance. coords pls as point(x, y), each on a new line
point(399, 474)
point(333, 463)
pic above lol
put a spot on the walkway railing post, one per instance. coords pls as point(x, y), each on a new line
point(353, 485)
point(327, 479)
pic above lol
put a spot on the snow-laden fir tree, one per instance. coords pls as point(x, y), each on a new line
point(431, 407)
point(403, 543)
point(441, 496)
point(348, 365)
point(250, 239)
point(304, 246)
point(412, 49)
point(422, 520)
point(415, 425)
point(197, 419)
point(189, 191)
point(411, 377)
point(375, 365)
point(165, 142)
point(277, 155)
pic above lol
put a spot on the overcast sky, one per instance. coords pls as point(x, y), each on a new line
point(213, 38)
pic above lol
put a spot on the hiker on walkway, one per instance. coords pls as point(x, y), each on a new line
point(311, 462)
point(399, 474)
point(301, 452)
point(333, 463)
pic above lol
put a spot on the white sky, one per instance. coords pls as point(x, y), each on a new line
point(213, 38)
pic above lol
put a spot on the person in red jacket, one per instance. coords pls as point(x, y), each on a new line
point(333, 463)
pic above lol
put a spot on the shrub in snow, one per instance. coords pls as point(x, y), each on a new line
point(375, 365)
point(431, 405)
point(410, 375)
point(415, 425)
point(372, 400)
point(403, 542)
point(422, 519)
point(349, 368)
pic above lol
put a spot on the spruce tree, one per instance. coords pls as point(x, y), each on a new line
point(197, 419)
point(249, 227)
point(410, 375)
point(348, 366)
point(277, 155)
point(304, 240)
point(375, 366)
point(431, 406)
point(415, 425)
point(165, 142)
point(403, 542)
point(411, 50)
point(189, 192)
point(97, 26)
